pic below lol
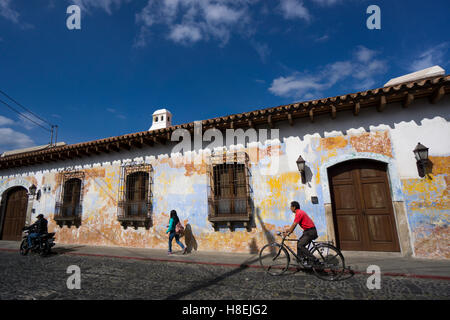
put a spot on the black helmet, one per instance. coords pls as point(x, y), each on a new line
point(40, 216)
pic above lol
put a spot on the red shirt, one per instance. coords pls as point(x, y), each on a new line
point(303, 219)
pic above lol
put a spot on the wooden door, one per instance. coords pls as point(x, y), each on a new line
point(362, 207)
point(15, 214)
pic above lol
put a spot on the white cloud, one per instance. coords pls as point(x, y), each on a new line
point(8, 13)
point(118, 115)
point(323, 38)
point(106, 5)
point(262, 49)
point(185, 33)
point(359, 72)
point(5, 121)
point(327, 2)
point(294, 9)
point(364, 55)
point(11, 139)
point(431, 57)
point(190, 21)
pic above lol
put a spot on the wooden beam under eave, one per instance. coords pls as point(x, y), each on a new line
point(356, 109)
point(291, 121)
point(124, 145)
point(382, 104)
point(438, 95)
point(409, 99)
point(149, 142)
point(138, 143)
point(311, 114)
point(160, 140)
point(333, 111)
point(269, 121)
point(115, 146)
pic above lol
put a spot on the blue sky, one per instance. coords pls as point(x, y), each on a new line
point(199, 58)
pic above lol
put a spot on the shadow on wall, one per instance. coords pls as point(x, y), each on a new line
point(269, 236)
point(189, 239)
point(253, 247)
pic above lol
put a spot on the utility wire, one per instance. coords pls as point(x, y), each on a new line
point(23, 115)
point(26, 109)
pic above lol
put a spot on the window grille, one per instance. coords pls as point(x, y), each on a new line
point(229, 192)
point(68, 209)
point(135, 196)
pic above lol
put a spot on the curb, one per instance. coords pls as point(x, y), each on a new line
point(243, 266)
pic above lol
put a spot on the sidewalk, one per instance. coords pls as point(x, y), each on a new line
point(391, 264)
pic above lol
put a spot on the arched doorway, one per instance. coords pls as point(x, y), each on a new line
point(362, 206)
point(14, 210)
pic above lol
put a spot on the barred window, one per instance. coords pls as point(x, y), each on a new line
point(68, 209)
point(229, 200)
point(230, 188)
point(135, 195)
point(71, 198)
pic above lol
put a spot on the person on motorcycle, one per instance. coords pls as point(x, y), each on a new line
point(38, 228)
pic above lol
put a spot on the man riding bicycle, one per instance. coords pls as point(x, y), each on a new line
point(309, 232)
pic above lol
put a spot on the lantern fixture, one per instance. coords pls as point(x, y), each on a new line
point(301, 167)
point(32, 191)
point(300, 164)
point(421, 154)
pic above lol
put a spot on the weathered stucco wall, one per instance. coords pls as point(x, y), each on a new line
point(383, 136)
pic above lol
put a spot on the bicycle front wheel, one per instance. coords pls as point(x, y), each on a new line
point(274, 259)
point(330, 264)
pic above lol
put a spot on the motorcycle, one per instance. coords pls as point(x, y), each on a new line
point(41, 245)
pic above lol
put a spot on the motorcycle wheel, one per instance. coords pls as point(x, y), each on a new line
point(45, 249)
point(24, 247)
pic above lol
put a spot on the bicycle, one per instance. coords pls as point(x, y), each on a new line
point(330, 265)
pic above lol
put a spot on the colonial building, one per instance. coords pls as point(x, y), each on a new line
point(371, 168)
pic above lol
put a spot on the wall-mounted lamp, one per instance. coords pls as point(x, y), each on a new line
point(301, 167)
point(32, 191)
point(421, 154)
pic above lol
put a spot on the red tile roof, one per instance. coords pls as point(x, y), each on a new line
point(434, 88)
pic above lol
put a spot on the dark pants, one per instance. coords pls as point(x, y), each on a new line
point(32, 236)
point(307, 236)
point(172, 235)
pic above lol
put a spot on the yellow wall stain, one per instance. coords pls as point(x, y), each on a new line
point(441, 165)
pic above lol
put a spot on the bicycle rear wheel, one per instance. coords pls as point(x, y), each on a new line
point(274, 259)
point(330, 263)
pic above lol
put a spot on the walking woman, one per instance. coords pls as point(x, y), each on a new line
point(172, 234)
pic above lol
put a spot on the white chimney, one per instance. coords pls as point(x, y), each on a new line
point(162, 118)
point(418, 75)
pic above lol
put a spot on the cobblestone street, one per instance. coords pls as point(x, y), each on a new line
point(34, 277)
